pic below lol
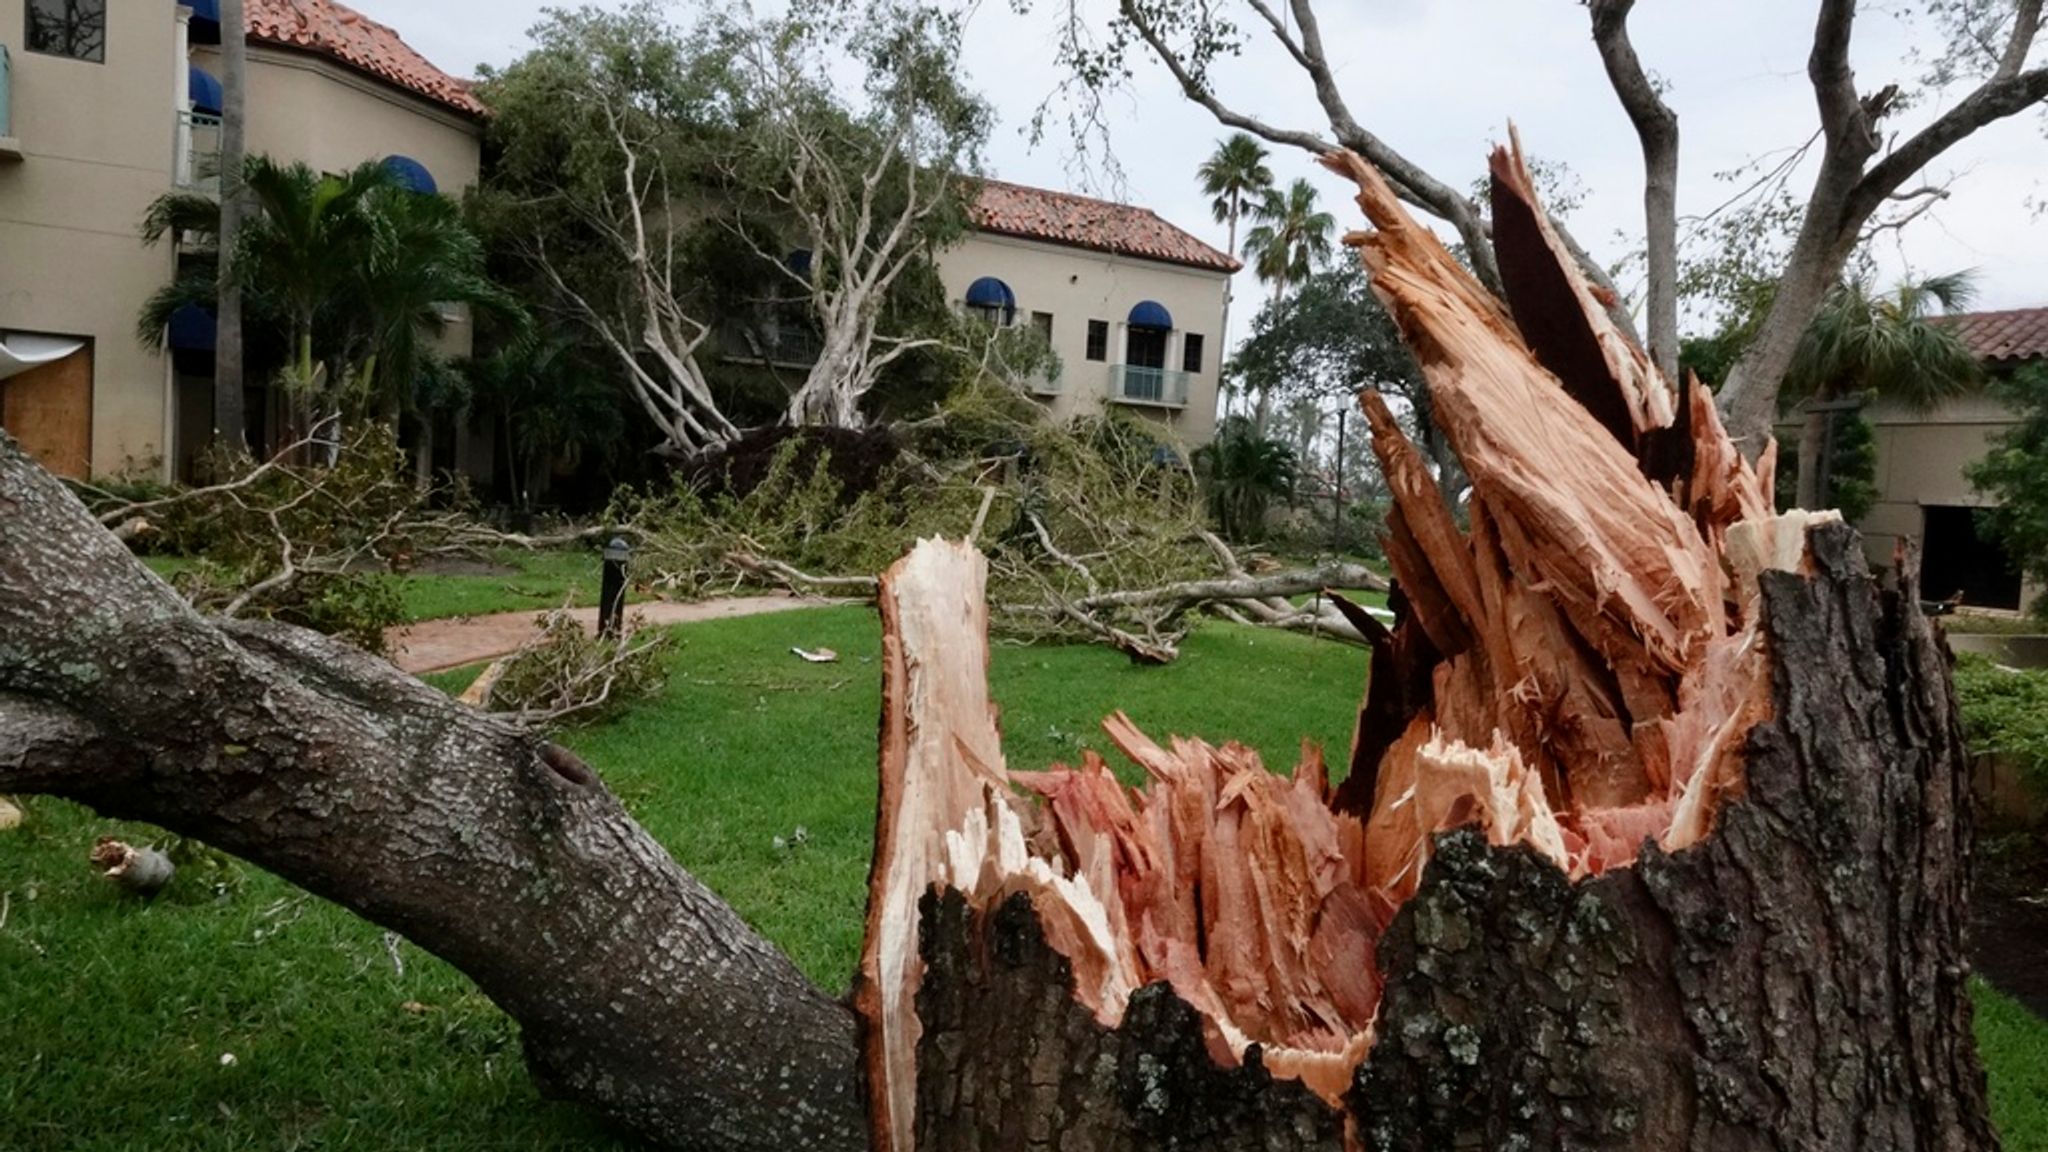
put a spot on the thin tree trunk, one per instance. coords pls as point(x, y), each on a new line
point(228, 417)
point(423, 455)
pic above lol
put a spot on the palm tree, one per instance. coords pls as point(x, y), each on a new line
point(1290, 240)
point(549, 401)
point(422, 259)
point(1236, 176)
point(1889, 344)
point(356, 268)
point(1243, 472)
point(228, 370)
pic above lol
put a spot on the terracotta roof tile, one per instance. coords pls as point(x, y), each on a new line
point(1064, 218)
point(338, 32)
point(2005, 337)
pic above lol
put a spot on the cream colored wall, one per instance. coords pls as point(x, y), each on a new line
point(304, 107)
point(1076, 285)
point(1921, 457)
point(97, 141)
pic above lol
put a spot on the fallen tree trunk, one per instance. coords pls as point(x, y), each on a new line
point(1655, 835)
point(638, 993)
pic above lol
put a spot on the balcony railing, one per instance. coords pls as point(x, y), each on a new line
point(1158, 387)
point(198, 152)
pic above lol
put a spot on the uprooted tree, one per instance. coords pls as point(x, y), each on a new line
point(1654, 834)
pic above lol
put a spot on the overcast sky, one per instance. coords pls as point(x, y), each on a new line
point(1439, 80)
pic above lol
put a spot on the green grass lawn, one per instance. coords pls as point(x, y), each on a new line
point(506, 580)
point(118, 1015)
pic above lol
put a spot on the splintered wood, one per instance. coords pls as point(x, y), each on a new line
point(1575, 670)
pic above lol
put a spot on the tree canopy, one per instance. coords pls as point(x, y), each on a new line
point(722, 203)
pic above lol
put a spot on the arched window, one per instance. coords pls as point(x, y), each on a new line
point(993, 301)
point(1151, 316)
point(412, 175)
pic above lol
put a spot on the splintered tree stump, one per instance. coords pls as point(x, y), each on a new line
point(1655, 834)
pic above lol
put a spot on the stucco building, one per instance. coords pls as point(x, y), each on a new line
point(105, 105)
point(1922, 492)
point(1132, 305)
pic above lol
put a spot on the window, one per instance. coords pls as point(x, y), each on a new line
point(74, 28)
point(992, 301)
point(1191, 353)
point(1043, 322)
point(1098, 340)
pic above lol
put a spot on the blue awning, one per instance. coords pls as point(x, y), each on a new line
point(989, 292)
point(193, 329)
point(799, 262)
point(1151, 314)
point(206, 92)
point(412, 174)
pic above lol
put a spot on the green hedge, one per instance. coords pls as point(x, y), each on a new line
point(2005, 712)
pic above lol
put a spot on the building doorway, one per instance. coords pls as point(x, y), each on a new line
point(1957, 561)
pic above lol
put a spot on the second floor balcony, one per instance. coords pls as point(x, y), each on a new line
point(198, 152)
point(1153, 387)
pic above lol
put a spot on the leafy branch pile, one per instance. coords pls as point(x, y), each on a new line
point(569, 674)
point(300, 537)
point(1092, 532)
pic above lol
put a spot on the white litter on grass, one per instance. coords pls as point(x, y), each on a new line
point(821, 656)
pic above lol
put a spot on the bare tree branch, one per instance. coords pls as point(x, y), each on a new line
point(1657, 128)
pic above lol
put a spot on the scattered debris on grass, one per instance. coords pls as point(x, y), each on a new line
point(141, 871)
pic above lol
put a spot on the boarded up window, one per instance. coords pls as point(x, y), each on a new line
point(48, 410)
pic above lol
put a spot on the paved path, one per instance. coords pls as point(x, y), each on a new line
point(438, 645)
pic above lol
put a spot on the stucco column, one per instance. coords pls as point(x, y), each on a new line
point(181, 101)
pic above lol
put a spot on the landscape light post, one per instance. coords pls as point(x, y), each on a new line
point(611, 599)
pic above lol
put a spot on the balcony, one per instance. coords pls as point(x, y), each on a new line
point(198, 155)
point(1041, 384)
point(1152, 387)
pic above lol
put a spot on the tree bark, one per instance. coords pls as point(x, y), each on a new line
point(228, 417)
point(638, 993)
point(1661, 795)
point(1795, 981)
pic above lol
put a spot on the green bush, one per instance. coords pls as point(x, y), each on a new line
point(2006, 712)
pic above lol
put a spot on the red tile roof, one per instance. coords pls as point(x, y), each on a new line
point(1078, 221)
point(326, 28)
point(2005, 337)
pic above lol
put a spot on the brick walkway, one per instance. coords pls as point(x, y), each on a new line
point(438, 645)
